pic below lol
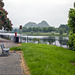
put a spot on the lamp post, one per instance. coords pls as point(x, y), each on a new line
point(20, 31)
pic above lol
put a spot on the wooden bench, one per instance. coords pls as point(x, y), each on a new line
point(4, 51)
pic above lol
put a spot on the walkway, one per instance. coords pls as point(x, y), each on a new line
point(10, 65)
point(7, 43)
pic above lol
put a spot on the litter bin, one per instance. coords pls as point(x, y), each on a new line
point(16, 39)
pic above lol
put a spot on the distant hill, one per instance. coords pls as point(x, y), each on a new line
point(33, 24)
point(30, 24)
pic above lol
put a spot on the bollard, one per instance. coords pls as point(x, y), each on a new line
point(16, 39)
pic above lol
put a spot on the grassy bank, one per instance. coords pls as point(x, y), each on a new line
point(45, 34)
point(43, 59)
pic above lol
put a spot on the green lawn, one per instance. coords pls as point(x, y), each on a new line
point(44, 34)
point(43, 59)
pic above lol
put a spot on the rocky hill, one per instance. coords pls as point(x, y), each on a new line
point(33, 24)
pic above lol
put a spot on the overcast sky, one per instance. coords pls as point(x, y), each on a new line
point(55, 12)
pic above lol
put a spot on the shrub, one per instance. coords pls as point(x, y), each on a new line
point(71, 41)
point(16, 48)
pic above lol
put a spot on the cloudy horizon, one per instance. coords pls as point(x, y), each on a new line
point(54, 12)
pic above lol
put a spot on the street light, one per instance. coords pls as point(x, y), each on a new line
point(20, 31)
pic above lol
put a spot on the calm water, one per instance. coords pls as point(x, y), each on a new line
point(53, 40)
point(59, 41)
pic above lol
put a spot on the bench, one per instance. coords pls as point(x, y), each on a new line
point(4, 51)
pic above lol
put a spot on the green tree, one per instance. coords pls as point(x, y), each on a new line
point(50, 29)
point(61, 31)
point(66, 28)
point(40, 29)
point(34, 29)
point(45, 29)
point(5, 23)
point(29, 29)
point(71, 23)
point(24, 29)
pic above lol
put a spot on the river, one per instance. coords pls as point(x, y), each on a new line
point(52, 40)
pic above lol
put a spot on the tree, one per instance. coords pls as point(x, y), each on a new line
point(61, 31)
point(24, 29)
point(45, 29)
point(29, 29)
point(5, 23)
point(71, 23)
point(50, 29)
point(65, 28)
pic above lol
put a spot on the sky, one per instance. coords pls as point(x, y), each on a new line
point(55, 12)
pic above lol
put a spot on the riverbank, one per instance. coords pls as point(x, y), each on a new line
point(44, 34)
point(43, 59)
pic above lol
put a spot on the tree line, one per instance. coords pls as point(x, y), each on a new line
point(61, 29)
point(38, 29)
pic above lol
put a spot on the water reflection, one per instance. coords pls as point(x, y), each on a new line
point(54, 40)
point(63, 41)
point(51, 40)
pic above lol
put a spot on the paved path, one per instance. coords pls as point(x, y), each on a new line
point(10, 65)
point(7, 43)
point(4, 40)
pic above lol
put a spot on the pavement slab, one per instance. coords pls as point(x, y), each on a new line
point(10, 65)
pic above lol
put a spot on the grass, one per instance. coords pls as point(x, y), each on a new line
point(45, 34)
point(43, 59)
